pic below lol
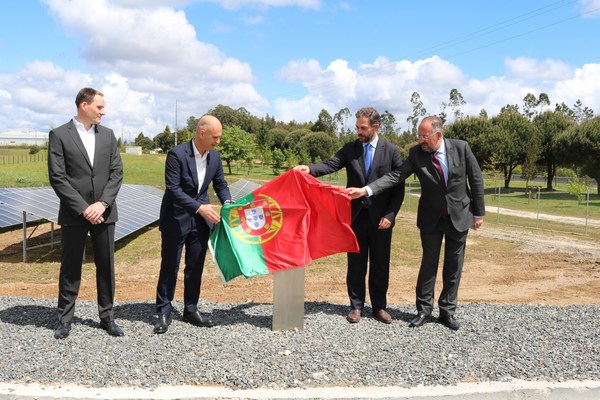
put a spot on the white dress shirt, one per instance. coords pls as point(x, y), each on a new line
point(88, 137)
point(201, 162)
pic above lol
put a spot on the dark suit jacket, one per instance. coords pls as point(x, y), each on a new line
point(464, 193)
point(76, 183)
point(386, 159)
point(182, 199)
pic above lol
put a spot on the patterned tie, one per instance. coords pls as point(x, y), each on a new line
point(368, 158)
point(440, 171)
point(438, 168)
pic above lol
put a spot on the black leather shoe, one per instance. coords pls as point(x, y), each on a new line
point(197, 319)
point(420, 319)
point(112, 328)
point(162, 323)
point(449, 321)
point(62, 330)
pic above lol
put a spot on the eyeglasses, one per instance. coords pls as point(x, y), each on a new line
point(423, 137)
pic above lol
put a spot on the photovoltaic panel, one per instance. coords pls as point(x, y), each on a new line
point(241, 188)
point(138, 205)
point(10, 216)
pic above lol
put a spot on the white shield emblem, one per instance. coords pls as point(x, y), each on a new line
point(255, 217)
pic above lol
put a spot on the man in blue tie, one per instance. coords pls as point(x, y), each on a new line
point(366, 159)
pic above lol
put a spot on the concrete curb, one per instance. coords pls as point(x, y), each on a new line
point(514, 390)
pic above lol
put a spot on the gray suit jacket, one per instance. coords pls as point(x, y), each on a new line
point(464, 193)
point(76, 183)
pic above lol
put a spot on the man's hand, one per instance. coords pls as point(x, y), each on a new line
point(477, 222)
point(384, 223)
point(356, 193)
point(302, 168)
point(94, 212)
point(207, 211)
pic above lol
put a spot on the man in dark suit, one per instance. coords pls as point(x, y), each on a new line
point(366, 159)
point(186, 218)
point(452, 201)
point(85, 171)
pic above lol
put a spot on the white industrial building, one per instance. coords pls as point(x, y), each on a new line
point(17, 138)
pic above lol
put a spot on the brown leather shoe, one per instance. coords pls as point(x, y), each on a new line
point(382, 316)
point(354, 316)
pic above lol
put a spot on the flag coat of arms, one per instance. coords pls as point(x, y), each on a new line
point(284, 224)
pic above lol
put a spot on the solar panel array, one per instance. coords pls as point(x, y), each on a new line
point(139, 206)
point(241, 188)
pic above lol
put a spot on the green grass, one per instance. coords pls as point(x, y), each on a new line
point(149, 170)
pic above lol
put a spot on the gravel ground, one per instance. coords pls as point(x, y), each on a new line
point(495, 343)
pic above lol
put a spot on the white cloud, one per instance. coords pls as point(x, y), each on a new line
point(143, 59)
point(590, 8)
point(535, 70)
point(388, 85)
point(237, 4)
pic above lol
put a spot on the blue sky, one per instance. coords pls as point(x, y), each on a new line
point(289, 58)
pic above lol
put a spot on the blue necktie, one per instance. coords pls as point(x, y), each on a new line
point(368, 158)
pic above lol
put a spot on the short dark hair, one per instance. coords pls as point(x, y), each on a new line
point(86, 95)
point(371, 113)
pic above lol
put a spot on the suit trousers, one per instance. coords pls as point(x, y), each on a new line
point(73, 240)
point(454, 256)
point(375, 245)
point(195, 243)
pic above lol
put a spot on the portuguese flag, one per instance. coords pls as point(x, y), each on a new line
point(284, 224)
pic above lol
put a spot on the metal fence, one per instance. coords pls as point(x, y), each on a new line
point(23, 158)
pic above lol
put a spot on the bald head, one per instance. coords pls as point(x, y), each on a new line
point(208, 133)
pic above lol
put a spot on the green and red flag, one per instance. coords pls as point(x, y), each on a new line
point(284, 224)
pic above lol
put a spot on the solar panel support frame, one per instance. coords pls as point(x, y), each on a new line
point(25, 247)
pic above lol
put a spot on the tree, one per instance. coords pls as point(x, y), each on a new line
point(165, 140)
point(324, 123)
point(508, 141)
point(531, 103)
point(144, 142)
point(319, 145)
point(418, 112)
point(293, 141)
point(276, 138)
point(236, 145)
point(585, 148)
point(579, 113)
point(192, 124)
point(474, 130)
point(456, 102)
point(387, 129)
point(340, 120)
point(548, 126)
point(582, 113)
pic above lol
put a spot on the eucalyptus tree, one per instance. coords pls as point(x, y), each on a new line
point(418, 112)
point(324, 123)
point(340, 120)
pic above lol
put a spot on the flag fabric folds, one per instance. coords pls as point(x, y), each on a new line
point(284, 224)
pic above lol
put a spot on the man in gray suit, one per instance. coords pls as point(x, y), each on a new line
point(85, 171)
point(452, 201)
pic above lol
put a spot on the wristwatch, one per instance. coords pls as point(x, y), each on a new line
point(105, 204)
